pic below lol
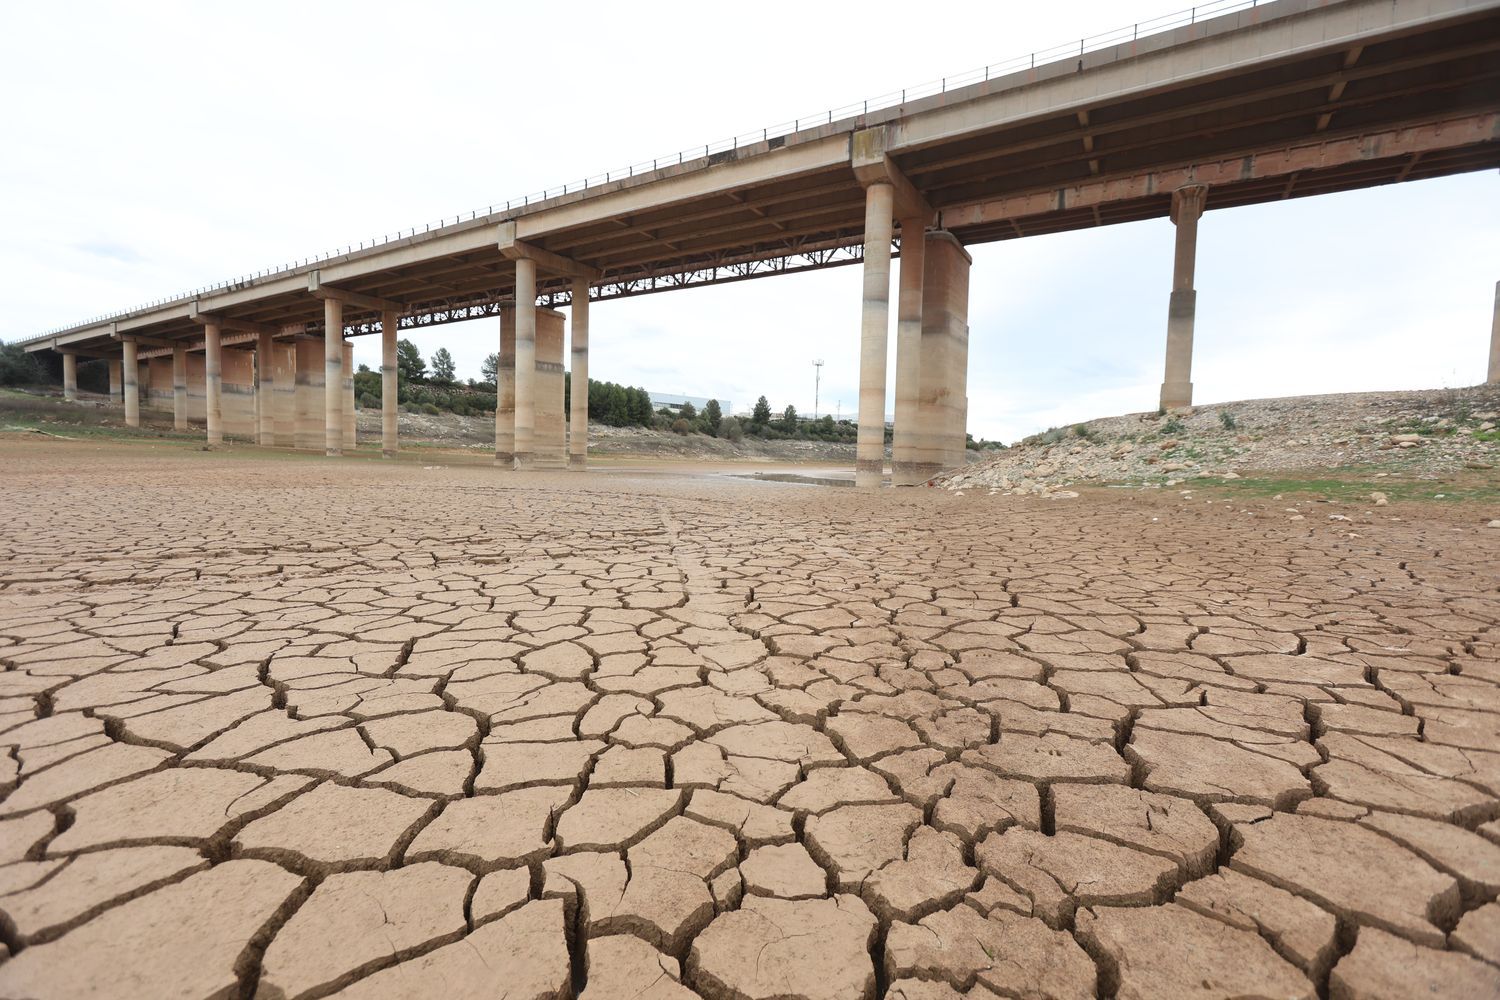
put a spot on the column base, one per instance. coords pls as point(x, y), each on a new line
point(913, 473)
point(1176, 395)
point(578, 463)
point(869, 474)
point(333, 453)
point(505, 460)
point(525, 461)
point(388, 453)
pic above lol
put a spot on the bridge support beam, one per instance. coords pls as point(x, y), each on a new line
point(1494, 372)
point(943, 395)
point(525, 392)
point(132, 384)
point(869, 456)
point(265, 389)
point(70, 377)
point(578, 418)
point(505, 393)
point(346, 397)
point(904, 470)
point(1177, 387)
point(389, 385)
point(213, 380)
point(333, 377)
point(179, 387)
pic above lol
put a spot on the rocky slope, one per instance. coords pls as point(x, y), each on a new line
point(1423, 434)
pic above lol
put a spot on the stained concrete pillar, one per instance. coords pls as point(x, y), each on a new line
point(389, 389)
point(1177, 388)
point(131, 384)
point(159, 383)
point(213, 378)
point(70, 377)
point(908, 354)
point(311, 415)
point(869, 465)
point(333, 376)
point(265, 390)
point(284, 399)
point(346, 397)
point(525, 362)
point(1494, 374)
point(578, 402)
point(549, 446)
point(505, 392)
point(179, 387)
point(943, 365)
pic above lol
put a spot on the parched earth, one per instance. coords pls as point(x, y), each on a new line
point(296, 728)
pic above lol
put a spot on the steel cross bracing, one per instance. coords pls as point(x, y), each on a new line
point(834, 250)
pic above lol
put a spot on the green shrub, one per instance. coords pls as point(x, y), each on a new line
point(730, 428)
point(1172, 426)
point(1226, 420)
point(681, 426)
point(429, 408)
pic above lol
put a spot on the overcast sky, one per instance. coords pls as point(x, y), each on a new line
point(154, 148)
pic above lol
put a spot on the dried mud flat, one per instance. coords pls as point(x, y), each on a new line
point(293, 728)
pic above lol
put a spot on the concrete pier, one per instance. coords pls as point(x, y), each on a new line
point(525, 362)
point(549, 448)
point(389, 385)
point(114, 379)
point(311, 415)
point(578, 418)
point(346, 396)
point(70, 377)
point(942, 408)
point(869, 466)
point(505, 392)
point(284, 400)
point(1177, 387)
point(213, 383)
point(908, 354)
point(132, 388)
point(179, 387)
point(1494, 373)
point(265, 389)
point(333, 376)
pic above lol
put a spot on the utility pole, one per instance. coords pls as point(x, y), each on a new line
point(817, 378)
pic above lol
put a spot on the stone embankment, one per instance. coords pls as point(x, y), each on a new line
point(1420, 434)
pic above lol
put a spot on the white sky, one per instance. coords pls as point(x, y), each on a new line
point(153, 148)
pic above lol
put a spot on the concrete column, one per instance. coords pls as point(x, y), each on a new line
point(333, 376)
point(869, 466)
point(265, 390)
point(549, 445)
point(389, 389)
point(908, 354)
point(311, 433)
point(1177, 388)
point(943, 369)
point(1494, 374)
point(578, 403)
point(179, 387)
point(284, 400)
point(132, 385)
point(213, 378)
point(346, 398)
point(114, 380)
point(505, 392)
point(525, 361)
point(70, 377)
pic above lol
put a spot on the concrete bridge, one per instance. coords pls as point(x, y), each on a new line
point(1260, 102)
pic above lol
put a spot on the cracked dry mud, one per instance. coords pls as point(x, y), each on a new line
point(275, 727)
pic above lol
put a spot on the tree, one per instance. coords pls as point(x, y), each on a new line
point(442, 365)
point(731, 429)
point(789, 419)
point(409, 364)
point(490, 368)
point(713, 417)
point(761, 415)
point(18, 366)
point(689, 412)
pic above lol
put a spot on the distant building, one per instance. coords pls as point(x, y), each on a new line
point(675, 402)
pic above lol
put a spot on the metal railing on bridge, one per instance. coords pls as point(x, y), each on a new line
point(1042, 57)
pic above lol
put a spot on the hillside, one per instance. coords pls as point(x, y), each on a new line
point(1424, 434)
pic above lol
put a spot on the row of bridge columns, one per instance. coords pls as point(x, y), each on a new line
point(299, 392)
